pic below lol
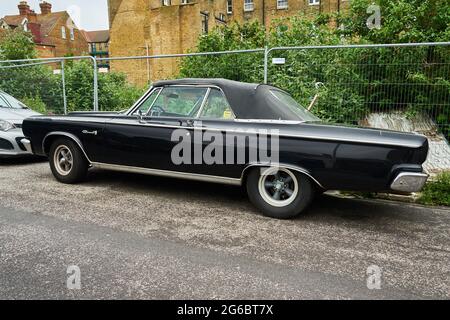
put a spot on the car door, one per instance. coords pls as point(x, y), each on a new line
point(144, 138)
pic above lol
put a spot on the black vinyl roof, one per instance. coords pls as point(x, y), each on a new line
point(248, 100)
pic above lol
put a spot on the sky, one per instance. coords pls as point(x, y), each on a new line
point(87, 14)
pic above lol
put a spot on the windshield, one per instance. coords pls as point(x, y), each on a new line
point(6, 101)
point(288, 102)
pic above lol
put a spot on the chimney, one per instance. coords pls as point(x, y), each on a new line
point(46, 7)
point(32, 16)
point(24, 8)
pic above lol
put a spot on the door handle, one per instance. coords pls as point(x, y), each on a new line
point(94, 133)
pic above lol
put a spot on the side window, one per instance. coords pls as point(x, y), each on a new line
point(178, 102)
point(216, 106)
point(145, 106)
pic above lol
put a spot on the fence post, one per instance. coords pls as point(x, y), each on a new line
point(64, 86)
point(266, 63)
point(94, 61)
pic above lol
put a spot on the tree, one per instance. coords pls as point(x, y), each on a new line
point(17, 44)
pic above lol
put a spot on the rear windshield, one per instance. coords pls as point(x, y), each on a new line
point(289, 103)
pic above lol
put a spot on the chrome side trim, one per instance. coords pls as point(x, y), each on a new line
point(282, 165)
point(310, 137)
point(27, 144)
point(68, 135)
point(409, 181)
point(167, 173)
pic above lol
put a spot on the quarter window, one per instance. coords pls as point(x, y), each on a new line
point(178, 102)
point(216, 106)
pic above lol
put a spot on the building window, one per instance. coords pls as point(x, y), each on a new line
point(185, 1)
point(72, 34)
point(63, 32)
point(314, 2)
point(205, 19)
point(282, 4)
point(25, 25)
point(166, 2)
point(248, 5)
point(229, 6)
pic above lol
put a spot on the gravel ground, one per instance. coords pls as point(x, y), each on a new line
point(334, 242)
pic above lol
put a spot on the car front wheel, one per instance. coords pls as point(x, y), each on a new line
point(67, 162)
point(279, 192)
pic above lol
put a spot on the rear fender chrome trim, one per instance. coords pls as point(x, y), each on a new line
point(409, 181)
point(282, 165)
point(168, 173)
point(68, 135)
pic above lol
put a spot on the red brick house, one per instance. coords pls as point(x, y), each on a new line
point(54, 33)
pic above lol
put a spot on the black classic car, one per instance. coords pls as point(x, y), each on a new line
point(236, 133)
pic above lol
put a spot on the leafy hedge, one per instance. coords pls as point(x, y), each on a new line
point(437, 192)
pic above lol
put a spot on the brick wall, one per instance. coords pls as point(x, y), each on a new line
point(136, 24)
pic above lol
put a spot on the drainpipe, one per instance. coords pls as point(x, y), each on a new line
point(264, 14)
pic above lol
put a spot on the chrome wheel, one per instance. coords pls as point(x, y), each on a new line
point(63, 160)
point(278, 186)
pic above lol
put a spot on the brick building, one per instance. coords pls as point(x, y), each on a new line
point(54, 33)
point(140, 27)
point(99, 46)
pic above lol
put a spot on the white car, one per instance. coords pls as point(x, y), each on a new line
point(12, 114)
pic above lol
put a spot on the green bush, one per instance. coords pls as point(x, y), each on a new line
point(437, 192)
point(35, 104)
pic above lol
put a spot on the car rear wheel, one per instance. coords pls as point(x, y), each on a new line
point(67, 161)
point(279, 192)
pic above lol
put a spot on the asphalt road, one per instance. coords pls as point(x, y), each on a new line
point(136, 236)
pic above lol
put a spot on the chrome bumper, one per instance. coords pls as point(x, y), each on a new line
point(409, 181)
point(16, 145)
point(27, 144)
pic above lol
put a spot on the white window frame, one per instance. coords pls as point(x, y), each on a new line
point(229, 6)
point(72, 34)
point(282, 4)
point(25, 25)
point(249, 5)
point(166, 3)
point(63, 32)
point(314, 2)
point(185, 1)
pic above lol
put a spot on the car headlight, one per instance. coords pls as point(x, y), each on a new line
point(5, 125)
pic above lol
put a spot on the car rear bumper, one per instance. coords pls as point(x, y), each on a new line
point(409, 182)
point(13, 144)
